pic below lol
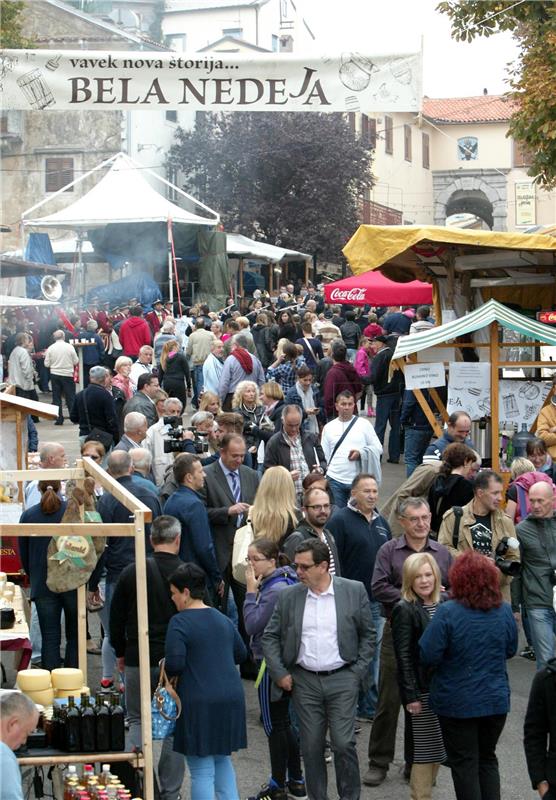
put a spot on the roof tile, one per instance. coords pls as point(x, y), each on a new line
point(484, 108)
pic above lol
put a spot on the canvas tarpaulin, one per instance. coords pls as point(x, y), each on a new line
point(214, 275)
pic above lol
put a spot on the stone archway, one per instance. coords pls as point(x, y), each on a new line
point(482, 192)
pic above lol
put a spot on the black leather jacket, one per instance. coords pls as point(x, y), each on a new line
point(408, 621)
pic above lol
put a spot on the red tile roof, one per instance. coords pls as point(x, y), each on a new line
point(484, 108)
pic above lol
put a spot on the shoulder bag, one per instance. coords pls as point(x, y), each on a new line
point(243, 538)
point(165, 706)
point(96, 434)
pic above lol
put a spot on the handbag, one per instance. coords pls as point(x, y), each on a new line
point(243, 538)
point(96, 434)
point(165, 706)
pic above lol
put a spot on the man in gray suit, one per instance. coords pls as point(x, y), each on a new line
point(229, 490)
point(318, 645)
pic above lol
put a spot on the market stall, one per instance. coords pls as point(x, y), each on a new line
point(141, 514)
point(375, 289)
point(465, 267)
point(477, 386)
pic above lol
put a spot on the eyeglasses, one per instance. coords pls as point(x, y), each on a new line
point(320, 508)
point(302, 567)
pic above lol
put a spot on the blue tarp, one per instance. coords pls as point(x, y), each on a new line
point(139, 285)
point(38, 250)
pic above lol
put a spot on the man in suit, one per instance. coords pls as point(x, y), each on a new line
point(318, 645)
point(229, 490)
point(135, 430)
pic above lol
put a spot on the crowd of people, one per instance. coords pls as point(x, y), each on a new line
point(345, 605)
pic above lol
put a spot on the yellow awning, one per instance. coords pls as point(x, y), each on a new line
point(373, 246)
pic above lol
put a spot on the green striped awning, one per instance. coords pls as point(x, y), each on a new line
point(492, 311)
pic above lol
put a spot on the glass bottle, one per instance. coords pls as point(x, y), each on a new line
point(102, 720)
point(73, 727)
point(88, 726)
point(117, 724)
point(104, 777)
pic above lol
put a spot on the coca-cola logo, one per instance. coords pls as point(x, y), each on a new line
point(347, 294)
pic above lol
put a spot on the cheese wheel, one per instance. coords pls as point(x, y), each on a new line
point(63, 694)
point(66, 678)
point(44, 698)
point(33, 680)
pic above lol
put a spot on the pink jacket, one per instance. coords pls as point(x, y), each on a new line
point(362, 363)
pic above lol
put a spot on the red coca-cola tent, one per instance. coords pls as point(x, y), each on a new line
point(372, 288)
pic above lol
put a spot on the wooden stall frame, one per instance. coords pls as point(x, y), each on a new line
point(495, 346)
point(87, 467)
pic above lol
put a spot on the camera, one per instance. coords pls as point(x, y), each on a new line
point(200, 441)
point(174, 432)
point(512, 568)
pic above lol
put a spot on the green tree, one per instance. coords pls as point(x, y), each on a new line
point(531, 78)
point(287, 179)
point(11, 26)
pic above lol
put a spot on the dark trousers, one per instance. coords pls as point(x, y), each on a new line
point(471, 749)
point(382, 741)
point(49, 611)
point(388, 411)
point(321, 703)
point(285, 760)
point(63, 388)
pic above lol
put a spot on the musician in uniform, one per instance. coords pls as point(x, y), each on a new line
point(156, 317)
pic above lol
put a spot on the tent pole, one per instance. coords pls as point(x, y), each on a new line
point(170, 280)
point(494, 411)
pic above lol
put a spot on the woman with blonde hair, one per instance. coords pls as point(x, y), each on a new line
point(274, 514)
point(174, 370)
point(209, 401)
point(421, 583)
point(121, 379)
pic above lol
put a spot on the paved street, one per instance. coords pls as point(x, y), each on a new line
point(252, 764)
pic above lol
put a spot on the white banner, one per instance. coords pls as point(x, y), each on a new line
point(60, 80)
point(469, 388)
point(424, 376)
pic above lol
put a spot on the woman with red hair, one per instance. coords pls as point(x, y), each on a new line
point(467, 644)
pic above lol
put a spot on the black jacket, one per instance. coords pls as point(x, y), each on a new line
point(177, 370)
point(539, 730)
point(305, 531)
point(379, 374)
point(351, 333)
point(264, 343)
point(101, 410)
point(277, 451)
point(408, 621)
point(123, 609)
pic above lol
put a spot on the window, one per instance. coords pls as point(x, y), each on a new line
point(368, 130)
point(407, 142)
point(275, 43)
point(388, 135)
point(176, 42)
point(58, 172)
point(468, 148)
point(351, 122)
point(426, 151)
point(172, 177)
point(237, 33)
point(522, 156)
point(171, 116)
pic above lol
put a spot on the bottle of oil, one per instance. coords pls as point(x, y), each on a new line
point(117, 723)
point(73, 727)
point(88, 725)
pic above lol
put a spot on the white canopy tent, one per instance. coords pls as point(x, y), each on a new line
point(23, 302)
point(242, 246)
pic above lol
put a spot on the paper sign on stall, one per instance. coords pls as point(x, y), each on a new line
point(424, 376)
point(521, 401)
point(469, 388)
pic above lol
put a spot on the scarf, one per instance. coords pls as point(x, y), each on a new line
point(244, 358)
point(308, 401)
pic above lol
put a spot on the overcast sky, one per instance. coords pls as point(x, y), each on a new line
point(451, 69)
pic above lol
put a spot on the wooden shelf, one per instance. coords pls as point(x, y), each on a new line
point(45, 756)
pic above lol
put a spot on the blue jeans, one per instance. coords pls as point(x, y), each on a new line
point(212, 776)
point(108, 653)
point(197, 383)
point(416, 442)
point(49, 611)
point(366, 704)
point(542, 623)
point(340, 492)
point(388, 411)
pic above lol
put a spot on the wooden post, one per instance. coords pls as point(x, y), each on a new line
point(82, 590)
point(494, 421)
point(19, 445)
point(425, 408)
point(240, 276)
point(144, 655)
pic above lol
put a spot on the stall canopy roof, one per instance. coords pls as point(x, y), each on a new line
point(406, 249)
point(123, 195)
point(376, 289)
point(28, 406)
point(474, 321)
point(242, 246)
point(23, 302)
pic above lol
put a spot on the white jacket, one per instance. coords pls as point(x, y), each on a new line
point(61, 358)
point(154, 443)
point(20, 369)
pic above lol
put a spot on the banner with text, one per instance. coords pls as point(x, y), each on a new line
point(60, 80)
